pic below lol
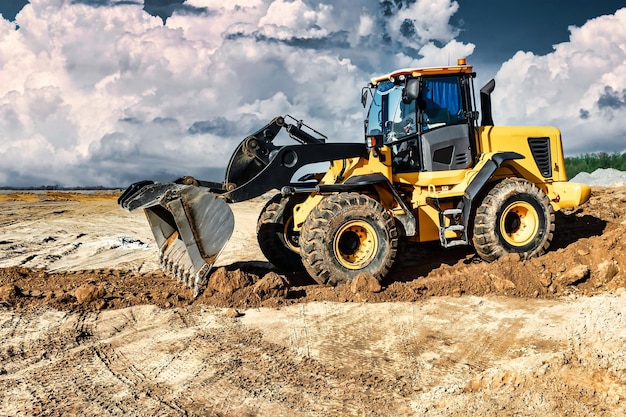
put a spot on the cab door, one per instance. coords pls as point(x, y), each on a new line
point(446, 126)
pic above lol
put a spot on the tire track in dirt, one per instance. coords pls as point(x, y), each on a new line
point(115, 353)
point(23, 349)
point(55, 369)
point(273, 375)
point(196, 361)
point(224, 357)
point(79, 368)
point(135, 381)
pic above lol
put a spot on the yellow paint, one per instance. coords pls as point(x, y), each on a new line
point(416, 72)
point(568, 194)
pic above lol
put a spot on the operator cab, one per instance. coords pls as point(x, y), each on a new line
point(426, 116)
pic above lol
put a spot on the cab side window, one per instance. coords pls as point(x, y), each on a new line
point(440, 102)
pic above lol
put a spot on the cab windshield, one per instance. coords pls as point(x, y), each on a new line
point(439, 104)
point(388, 115)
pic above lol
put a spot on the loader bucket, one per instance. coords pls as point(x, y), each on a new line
point(190, 224)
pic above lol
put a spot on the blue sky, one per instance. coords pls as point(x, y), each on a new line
point(102, 92)
point(501, 28)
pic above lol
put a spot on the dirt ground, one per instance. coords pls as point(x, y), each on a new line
point(89, 325)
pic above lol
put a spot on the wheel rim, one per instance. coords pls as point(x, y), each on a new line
point(292, 238)
point(355, 244)
point(519, 223)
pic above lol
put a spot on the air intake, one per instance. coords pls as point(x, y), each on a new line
point(540, 148)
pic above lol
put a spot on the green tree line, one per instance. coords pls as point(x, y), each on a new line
point(593, 161)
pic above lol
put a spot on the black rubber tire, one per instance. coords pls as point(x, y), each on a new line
point(346, 234)
point(515, 216)
point(277, 240)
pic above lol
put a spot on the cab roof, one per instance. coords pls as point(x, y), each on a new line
point(416, 72)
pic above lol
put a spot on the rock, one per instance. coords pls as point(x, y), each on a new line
point(9, 292)
point(232, 313)
point(502, 284)
point(365, 283)
point(574, 275)
point(473, 385)
point(270, 286)
point(226, 282)
point(87, 293)
point(605, 272)
point(545, 279)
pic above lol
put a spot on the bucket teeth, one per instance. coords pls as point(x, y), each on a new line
point(184, 277)
point(175, 263)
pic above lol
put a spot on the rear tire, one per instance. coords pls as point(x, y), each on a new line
point(277, 239)
point(346, 234)
point(514, 217)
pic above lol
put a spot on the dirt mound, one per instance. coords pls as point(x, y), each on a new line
point(589, 265)
point(588, 256)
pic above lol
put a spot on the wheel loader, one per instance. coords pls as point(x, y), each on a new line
point(426, 170)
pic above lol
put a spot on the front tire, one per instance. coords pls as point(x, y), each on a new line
point(346, 234)
point(277, 239)
point(514, 217)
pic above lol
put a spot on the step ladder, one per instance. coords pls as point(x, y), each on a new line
point(451, 220)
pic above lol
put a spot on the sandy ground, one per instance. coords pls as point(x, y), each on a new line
point(89, 325)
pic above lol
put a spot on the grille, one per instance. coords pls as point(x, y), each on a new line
point(540, 148)
point(461, 158)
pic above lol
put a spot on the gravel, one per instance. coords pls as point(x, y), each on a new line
point(605, 177)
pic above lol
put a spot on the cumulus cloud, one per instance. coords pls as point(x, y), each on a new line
point(103, 93)
point(580, 87)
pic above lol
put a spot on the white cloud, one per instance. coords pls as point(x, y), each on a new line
point(580, 87)
point(106, 95)
point(433, 55)
point(288, 19)
point(424, 21)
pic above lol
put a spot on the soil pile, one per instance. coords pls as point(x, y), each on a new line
point(587, 257)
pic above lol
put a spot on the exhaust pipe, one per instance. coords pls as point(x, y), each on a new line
point(485, 103)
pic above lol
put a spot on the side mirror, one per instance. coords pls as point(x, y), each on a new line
point(411, 90)
point(364, 96)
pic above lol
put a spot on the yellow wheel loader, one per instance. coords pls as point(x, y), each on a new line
point(427, 170)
